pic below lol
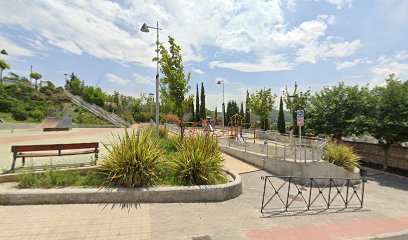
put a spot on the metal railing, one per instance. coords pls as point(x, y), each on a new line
point(286, 193)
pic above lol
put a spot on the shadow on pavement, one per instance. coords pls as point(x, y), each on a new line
point(303, 212)
point(388, 180)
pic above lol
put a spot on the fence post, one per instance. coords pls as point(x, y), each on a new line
point(287, 197)
point(284, 151)
point(305, 153)
point(295, 152)
point(276, 151)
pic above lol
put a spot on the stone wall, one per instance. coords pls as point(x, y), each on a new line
point(374, 153)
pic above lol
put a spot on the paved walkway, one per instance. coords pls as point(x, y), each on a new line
point(385, 214)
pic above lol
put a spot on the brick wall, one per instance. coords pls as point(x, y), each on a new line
point(374, 153)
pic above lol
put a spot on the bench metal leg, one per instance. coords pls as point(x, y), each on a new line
point(14, 164)
point(96, 158)
point(23, 161)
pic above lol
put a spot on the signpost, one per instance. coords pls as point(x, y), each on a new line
point(300, 123)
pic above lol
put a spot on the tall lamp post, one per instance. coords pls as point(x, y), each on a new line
point(222, 82)
point(145, 28)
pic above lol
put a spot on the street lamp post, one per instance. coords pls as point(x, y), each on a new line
point(223, 104)
point(145, 28)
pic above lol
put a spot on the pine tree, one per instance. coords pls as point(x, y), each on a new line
point(215, 115)
point(247, 114)
point(197, 110)
point(281, 118)
point(202, 106)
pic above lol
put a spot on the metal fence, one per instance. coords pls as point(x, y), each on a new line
point(286, 193)
point(58, 113)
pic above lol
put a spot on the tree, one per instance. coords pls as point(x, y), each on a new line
point(192, 119)
point(197, 113)
point(175, 81)
point(261, 103)
point(36, 76)
point(296, 101)
point(94, 95)
point(241, 110)
point(232, 109)
point(74, 85)
point(247, 114)
point(216, 115)
point(388, 121)
point(203, 115)
point(3, 65)
point(338, 111)
point(281, 117)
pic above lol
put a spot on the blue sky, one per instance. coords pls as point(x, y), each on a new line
point(252, 44)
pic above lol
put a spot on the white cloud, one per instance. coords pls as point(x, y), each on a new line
point(266, 64)
point(142, 80)
point(386, 65)
point(13, 49)
point(340, 3)
point(116, 79)
point(352, 63)
point(198, 71)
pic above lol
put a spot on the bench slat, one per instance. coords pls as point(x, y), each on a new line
point(54, 154)
point(50, 147)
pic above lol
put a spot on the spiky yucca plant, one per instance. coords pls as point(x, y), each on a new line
point(133, 160)
point(198, 161)
point(341, 155)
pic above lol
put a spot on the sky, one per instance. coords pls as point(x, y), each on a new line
point(252, 44)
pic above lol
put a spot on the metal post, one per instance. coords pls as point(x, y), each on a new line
point(295, 152)
point(310, 193)
point(287, 197)
point(284, 151)
point(330, 185)
point(157, 82)
point(223, 109)
point(263, 197)
point(305, 153)
point(347, 193)
point(276, 151)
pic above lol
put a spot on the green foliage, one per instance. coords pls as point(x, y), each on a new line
point(247, 113)
point(174, 84)
point(133, 160)
point(36, 76)
point(141, 117)
point(19, 114)
point(163, 132)
point(74, 85)
point(216, 115)
point(336, 111)
point(241, 110)
point(54, 178)
point(4, 65)
point(81, 116)
point(203, 114)
point(281, 118)
point(261, 103)
point(6, 105)
point(94, 95)
point(198, 161)
point(296, 101)
point(232, 109)
point(197, 113)
point(37, 114)
point(341, 155)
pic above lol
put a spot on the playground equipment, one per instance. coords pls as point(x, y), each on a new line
point(56, 120)
point(235, 127)
point(207, 125)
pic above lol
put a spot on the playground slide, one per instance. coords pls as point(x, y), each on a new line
point(240, 138)
point(211, 128)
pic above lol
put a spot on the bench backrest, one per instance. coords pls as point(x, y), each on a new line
point(49, 147)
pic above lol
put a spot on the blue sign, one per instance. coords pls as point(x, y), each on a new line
point(300, 114)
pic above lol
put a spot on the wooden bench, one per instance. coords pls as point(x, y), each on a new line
point(50, 150)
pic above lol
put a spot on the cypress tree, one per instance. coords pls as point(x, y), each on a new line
point(215, 115)
point(202, 106)
point(192, 110)
point(247, 114)
point(241, 111)
point(197, 110)
point(281, 118)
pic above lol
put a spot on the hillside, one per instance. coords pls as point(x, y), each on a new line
point(22, 103)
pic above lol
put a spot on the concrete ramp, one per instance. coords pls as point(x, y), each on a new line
point(56, 122)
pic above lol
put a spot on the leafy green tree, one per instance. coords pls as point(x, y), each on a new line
point(94, 95)
point(232, 109)
point(74, 85)
point(261, 103)
point(247, 113)
point(197, 113)
point(241, 110)
point(36, 76)
point(203, 115)
point(192, 119)
point(388, 121)
point(337, 111)
point(175, 81)
point(3, 65)
point(296, 101)
point(281, 117)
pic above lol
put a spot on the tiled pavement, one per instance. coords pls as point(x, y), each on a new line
point(385, 214)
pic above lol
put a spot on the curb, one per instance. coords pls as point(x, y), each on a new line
point(184, 194)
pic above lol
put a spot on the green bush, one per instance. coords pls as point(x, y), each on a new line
point(19, 114)
point(163, 132)
point(5, 105)
point(141, 117)
point(341, 155)
point(133, 160)
point(37, 114)
point(198, 161)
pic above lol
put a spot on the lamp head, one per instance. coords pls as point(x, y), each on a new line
point(4, 52)
point(144, 28)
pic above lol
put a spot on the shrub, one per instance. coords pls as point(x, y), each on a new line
point(141, 117)
point(341, 155)
point(133, 160)
point(5, 105)
point(172, 118)
point(198, 161)
point(37, 114)
point(19, 114)
point(163, 132)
